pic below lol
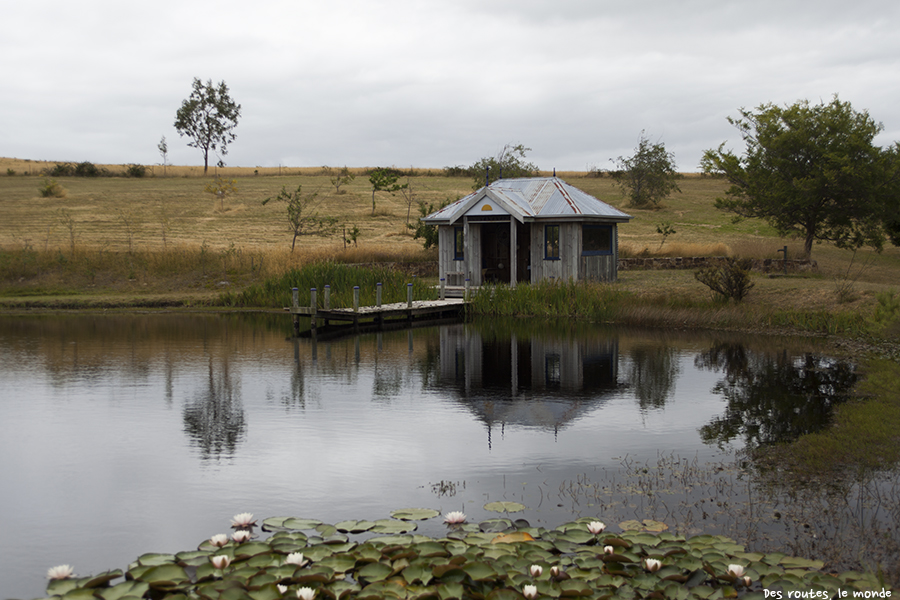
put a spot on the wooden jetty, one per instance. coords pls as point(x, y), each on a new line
point(380, 315)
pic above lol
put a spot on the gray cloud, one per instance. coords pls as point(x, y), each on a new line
point(428, 84)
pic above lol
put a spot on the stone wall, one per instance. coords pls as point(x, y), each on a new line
point(767, 265)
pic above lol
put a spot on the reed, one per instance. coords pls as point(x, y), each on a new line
point(551, 299)
point(342, 278)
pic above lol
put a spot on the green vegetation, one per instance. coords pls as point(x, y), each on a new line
point(208, 118)
point(342, 279)
point(496, 560)
point(648, 176)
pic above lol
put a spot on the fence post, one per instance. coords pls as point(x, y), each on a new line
point(355, 298)
point(378, 295)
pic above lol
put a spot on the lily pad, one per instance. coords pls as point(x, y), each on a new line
point(504, 507)
point(392, 526)
point(289, 524)
point(414, 514)
point(354, 526)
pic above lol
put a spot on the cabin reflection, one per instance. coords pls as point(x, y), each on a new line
point(544, 381)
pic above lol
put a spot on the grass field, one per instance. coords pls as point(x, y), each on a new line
point(114, 237)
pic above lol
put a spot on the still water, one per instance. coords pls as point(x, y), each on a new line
point(125, 434)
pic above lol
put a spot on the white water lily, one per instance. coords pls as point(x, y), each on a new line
point(240, 536)
point(653, 565)
point(596, 527)
point(529, 591)
point(295, 558)
point(243, 520)
point(220, 561)
point(282, 588)
point(736, 570)
point(219, 540)
point(536, 570)
point(455, 518)
point(609, 550)
point(306, 593)
point(60, 572)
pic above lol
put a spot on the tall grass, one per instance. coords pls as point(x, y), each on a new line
point(599, 302)
point(342, 278)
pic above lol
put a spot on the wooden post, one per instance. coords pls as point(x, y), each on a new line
point(355, 298)
point(295, 303)
point(466, 293)
point(409, 290)
point(313, 308)
point(378, 295)
point(443, 281)
point(327, 305)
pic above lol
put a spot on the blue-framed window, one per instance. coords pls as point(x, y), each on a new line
point(459, 244)
point(596, 240)
point(551, 242)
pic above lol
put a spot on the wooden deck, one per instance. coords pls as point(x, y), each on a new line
point(378, 315)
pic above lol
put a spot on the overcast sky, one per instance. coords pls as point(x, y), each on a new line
point(431, 84)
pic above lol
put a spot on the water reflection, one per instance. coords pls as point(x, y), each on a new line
point(773, 396)
point(214, 417)
point(230, 414)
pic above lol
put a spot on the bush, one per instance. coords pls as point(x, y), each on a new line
point(731, 280)
point(52, 189)
point(136, 171)
point(86, 169)
point(62, 170)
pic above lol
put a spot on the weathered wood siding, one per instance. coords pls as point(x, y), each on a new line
point(603, 267)
point(569, 251)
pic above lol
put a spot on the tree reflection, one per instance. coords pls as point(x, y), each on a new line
point(773, 397)
point(214, 419)
point(651, 374)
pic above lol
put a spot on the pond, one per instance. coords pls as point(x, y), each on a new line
point(123, 434)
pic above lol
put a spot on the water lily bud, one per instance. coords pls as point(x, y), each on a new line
point(295, 558)
point(609, 550)
point(220, 539)
point(243, 521)
point(282, 588)
point(220, 561)
point(306, 593)
point(653, 565)
point(596, 527)
point(530, 591)
point(536, 570)
point(240, 536)
point(736, 570)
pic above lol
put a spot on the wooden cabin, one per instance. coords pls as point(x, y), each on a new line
point(526, 230)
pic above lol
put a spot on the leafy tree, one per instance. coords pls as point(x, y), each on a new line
point(509, 163)
point(811, 170)
point(385, 180)
point(649, 175)
point(343, 177)
point(163, 148)
point(221, 188)
point(208, 117)
point(428, 233)
point(301, 214)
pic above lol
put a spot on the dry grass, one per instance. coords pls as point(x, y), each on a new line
point(172, 221)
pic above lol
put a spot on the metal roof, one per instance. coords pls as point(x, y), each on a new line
point(533, 198)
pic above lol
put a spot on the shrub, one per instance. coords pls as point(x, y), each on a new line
point(731, 280)
point(52, 189)
point(86, 169)
point(136, 171)
point(62, 170)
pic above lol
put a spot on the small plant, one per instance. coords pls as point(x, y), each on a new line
point(731, 280)
point(52, 189)
point(342, 178)
point(665, 229)
point(10, 172)
point(221, 188)
point(351, 236)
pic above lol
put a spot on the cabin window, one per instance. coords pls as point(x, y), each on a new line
point(458, 243)
point(596, 239)
point(551, 242)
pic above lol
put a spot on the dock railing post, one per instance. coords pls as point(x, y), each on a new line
point(327, 297)
point(355, 298)
point(295, 303)
point(378, 295)
point(466, 293)
point(312, 307)
point(443, 281)
point(409, 290)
